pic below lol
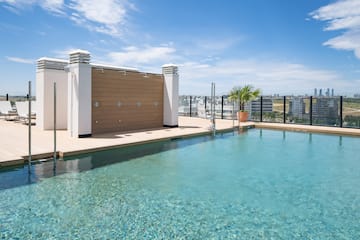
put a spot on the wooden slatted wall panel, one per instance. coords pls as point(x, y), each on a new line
point(125, 102)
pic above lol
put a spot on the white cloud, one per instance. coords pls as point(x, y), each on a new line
point(270, 76)
point(196, 74)
point(106, 16)
point(18, 3)
point(54, 6)
point(342, 15)
point(352, 22)
point(64, 53)
point(347, 41)
point(338, 10)
point(108, 12)
point(218, 44)
point(20, 60)
point(134, 56)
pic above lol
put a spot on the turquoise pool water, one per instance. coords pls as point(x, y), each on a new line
point(256, 185)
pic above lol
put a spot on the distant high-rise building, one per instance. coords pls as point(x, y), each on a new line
point(325, 110)
point(328, 92)
point(254, 106)
point(297, 107)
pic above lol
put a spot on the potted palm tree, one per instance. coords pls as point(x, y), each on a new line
point(243, 95)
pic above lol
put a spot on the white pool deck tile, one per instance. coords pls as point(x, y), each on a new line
point(306, 128)
point(14, 137)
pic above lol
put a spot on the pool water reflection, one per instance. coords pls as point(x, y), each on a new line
point(260, 184)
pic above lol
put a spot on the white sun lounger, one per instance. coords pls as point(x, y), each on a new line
point(7, 111)
point(23, 111)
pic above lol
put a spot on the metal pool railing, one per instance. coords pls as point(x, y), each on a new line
point(337, 111)
point(29, 130)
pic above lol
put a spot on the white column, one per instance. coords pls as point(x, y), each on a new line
point(79, 100)
point(48, 71)
point(171, 95)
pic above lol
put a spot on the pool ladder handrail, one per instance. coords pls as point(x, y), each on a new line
point(213, 124)
point(29, 130)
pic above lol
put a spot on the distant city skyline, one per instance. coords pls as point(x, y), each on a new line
point(322, 93)
point(281, 47)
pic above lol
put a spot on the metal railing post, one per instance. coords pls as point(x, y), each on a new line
point(213, 108)
point(29, 128)
point(222, 107)
point(341, 111)
point(190, 105)
point(284, 109)
point(205, 103)
point(261, 108)
point(310, 110)
point(233, 113)
point(54, 126)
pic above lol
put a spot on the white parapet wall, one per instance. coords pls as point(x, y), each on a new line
point(73, 80)
point(50, 71)
point(171, 95)
point(79, 90)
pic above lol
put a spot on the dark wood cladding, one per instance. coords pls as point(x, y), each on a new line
point(126, 101)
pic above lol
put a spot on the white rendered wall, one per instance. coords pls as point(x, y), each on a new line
point(45, 79)
point(79, 101)
point(171, 98)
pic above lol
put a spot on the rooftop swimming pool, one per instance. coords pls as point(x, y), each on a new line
point(260, 184)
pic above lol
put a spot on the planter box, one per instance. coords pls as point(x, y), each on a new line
point(243, 116)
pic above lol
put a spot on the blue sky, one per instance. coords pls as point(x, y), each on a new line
point(280, 46)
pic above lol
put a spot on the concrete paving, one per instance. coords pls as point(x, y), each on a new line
point(307, 128)
point(14, 137)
